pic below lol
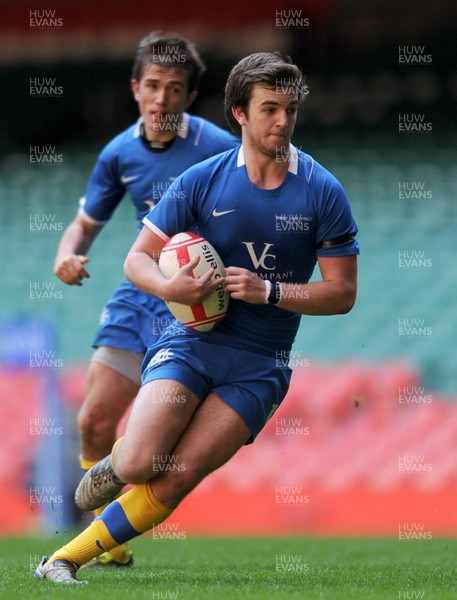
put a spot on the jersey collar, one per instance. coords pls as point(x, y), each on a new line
point(293, 164)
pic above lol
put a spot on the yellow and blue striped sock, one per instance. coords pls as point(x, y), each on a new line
point(131, 515)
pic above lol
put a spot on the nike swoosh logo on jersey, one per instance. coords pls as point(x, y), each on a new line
point(222, 213)
point(126, 179)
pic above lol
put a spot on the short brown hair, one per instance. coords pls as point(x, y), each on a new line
point(268, 68)
point(169, 51)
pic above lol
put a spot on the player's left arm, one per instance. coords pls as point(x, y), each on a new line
point(334, 294)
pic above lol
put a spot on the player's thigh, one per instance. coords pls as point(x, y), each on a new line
point(161, 412)
point(214, 434)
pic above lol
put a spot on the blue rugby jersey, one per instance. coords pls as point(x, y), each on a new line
point(126, 165)
point(277, 234)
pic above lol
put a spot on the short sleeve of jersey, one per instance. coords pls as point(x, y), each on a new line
point(176, 211)
point(104, 192)
point(335, 223)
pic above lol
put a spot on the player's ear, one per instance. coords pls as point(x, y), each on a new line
point(239, 113)
point(135, 86)
point(191, 98)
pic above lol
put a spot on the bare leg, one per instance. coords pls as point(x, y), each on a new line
point(215, 433)
point(161, 412)
point(167, 419)
point(109, 395)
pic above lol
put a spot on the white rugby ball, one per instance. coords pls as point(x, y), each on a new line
point(179, 251)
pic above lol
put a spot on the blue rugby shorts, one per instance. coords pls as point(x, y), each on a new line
point(252, 384)
point(132, 320)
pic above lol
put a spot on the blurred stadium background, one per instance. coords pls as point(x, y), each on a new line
point(365, 443)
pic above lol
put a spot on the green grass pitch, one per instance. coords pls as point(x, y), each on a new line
point(246, 568)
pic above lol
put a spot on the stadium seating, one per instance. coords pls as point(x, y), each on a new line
point(328, 450)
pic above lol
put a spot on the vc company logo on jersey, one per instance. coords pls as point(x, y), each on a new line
point(265, 259)
point(44, 19)
point(413, 190)
point(291, 19)
point(45, 87)
point(413, 123)
point(44, 223)
point(413, 55)
point(45, 155)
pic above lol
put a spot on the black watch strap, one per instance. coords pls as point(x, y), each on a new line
point(275, 293)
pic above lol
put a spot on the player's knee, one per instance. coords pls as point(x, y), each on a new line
point(139, 468)
point(85, 421)
point(93, 423)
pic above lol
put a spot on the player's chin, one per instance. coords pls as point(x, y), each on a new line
point(277, 146)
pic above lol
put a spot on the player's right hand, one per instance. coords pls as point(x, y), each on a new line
point(71, 270)
point(184, 288)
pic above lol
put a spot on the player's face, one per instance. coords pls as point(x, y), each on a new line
point(269, 120)
point(162, 95)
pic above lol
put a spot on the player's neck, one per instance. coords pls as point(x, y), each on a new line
point(156, 141)
point(264, 171)
point(154, 136)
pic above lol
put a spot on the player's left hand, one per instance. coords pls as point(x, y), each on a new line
point(242, 284)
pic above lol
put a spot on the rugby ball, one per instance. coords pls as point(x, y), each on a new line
point(179, 251)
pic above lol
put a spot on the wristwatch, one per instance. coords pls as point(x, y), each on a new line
point(275, 295)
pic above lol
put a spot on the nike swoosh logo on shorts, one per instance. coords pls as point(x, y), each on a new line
point(222, 213)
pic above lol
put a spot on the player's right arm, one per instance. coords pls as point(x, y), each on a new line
point(71, 258)
point(103, 194)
